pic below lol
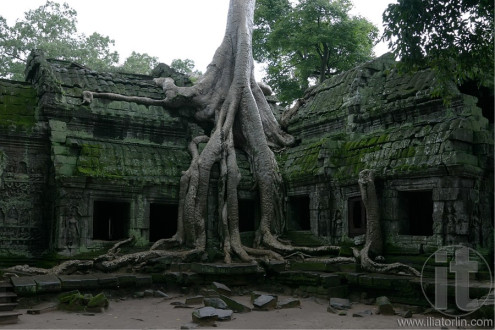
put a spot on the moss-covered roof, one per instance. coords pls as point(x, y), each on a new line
point(18, 103)
point(372, 117)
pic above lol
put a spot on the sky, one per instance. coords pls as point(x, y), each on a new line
point(167, 29)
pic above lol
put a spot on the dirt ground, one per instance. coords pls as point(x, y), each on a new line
point(158, 313)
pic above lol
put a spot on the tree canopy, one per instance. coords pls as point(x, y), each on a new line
point(53, 28)
point(454, 38)
point(308, 41)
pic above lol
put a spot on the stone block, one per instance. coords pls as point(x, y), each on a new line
point(384, 306)
point(47, 283)
point(24, 286)
point(107, 280)
point(70, 282)
point(462, 134)
point(265, 302)
point(126, 280)
point(221, 288)
point(215, 302)
point(340, 303)
point(330, 280)
point(234, 305)
point(143, 280)
point(205, 316)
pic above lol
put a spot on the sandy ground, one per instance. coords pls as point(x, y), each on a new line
point(157, 313)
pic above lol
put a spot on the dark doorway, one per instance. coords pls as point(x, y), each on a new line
point(416, 213)
point(356, 216)
point(110, 220)
point(247, 215)
point(299, 214)
point(163, 221)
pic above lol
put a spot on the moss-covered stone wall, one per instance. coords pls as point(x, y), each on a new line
point(24, 173)
point(372, 117)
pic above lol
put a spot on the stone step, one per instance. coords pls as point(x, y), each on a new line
point(9, 317)
point(5, 307)
point(6, 286)
point(7, 297)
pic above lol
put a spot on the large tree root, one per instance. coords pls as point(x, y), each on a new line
point(375, 267)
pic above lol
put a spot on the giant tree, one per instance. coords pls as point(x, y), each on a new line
point(309, 41)
point(227, 96)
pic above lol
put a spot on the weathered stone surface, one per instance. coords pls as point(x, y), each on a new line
point(224, 314)
point(215, 302)
point(69, 282)
point(196, 300)
point(107, 280)
point(384, 306)
point(47, 283)
point(205, 315)
point(221, 288)
point(256, 294)
point(340, 303)
point(24, 285)
point(236, 306)
point(126, 280)
point(265, 303)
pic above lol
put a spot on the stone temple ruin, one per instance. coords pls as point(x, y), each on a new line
point(75, 178)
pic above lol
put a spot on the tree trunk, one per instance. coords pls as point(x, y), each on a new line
point(370, 199)
point(228, 96)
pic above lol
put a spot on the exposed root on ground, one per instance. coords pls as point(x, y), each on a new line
point(376, 267)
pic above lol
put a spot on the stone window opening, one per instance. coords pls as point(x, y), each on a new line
point(248, 213)
point(110, 220)
point(163, 221)
point(416, 213)
point(356, 216)
point(299, 213)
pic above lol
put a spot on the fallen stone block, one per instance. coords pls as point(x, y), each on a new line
point(256, 294)
point(205, 316)
point(265, 303)
point(289, 303)
point(384, 306)
point(224, 314)
point(340, 303)
point(236, 306)
point(221, 288)
point(215, 303)
point(160, 294)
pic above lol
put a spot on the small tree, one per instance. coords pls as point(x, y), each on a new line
point(308, 42)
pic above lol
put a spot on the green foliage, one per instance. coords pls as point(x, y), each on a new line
point(454, 38)
point(186, 67)
point(139, 63)
point(53, 28)
point(309, 41)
